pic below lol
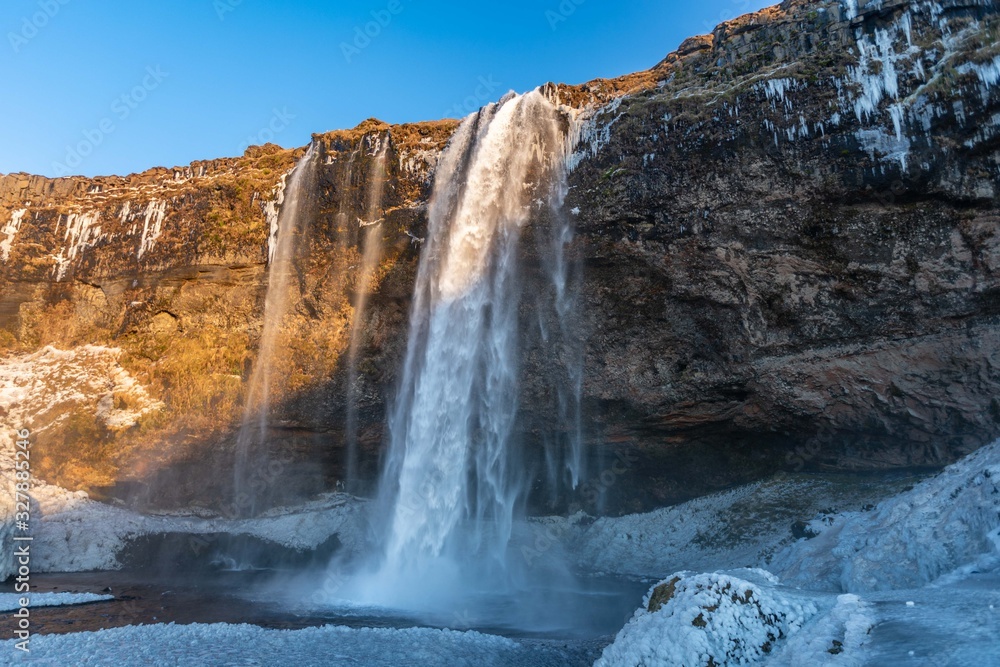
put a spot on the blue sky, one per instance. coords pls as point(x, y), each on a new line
point(95, 87)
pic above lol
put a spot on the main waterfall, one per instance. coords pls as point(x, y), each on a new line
point(452, 482)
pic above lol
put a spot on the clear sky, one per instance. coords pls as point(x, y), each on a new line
point(100, 87)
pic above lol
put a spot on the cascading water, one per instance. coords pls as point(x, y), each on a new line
point(343, 219)
point(452, 484)
point(251, 442)
point(567, 464)
point(370, 229)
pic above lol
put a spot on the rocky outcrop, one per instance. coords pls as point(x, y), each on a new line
point(787, 236)
point(791, 245)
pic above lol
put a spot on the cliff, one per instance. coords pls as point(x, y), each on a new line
point(786, 237)
point(792, 244)
point(170, 267)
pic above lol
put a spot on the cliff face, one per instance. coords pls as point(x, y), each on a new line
point(791, 243)
point(170, 268)
point(786, 232)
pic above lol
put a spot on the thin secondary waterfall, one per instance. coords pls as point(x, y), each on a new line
point(343, 219)
point(452, 483)
point(565, 343)
point(251, 442)
point(370, 229)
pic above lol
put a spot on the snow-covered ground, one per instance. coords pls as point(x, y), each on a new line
point(955, 623)
point(247, 645)
point(737, 617)
point(77, 534)
point(40, 390)
point(913, 581)
point(945, 524)
point(744, 527)
point(841, 598)
point(12, 601)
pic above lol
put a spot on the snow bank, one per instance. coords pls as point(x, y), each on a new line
point(77, 534)
point(12, 601)
point(38, 391)
point(947, 522)
point(742, 527)
point(221, 644)
point(706, 619)
point(835, 639)
point(926, 561)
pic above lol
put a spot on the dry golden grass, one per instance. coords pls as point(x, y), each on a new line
point(78, 453)
point(198, 376)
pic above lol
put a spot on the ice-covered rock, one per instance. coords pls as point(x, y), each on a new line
point(706, 619)
point(837, 637)
point(948, 522)
point(739, 527)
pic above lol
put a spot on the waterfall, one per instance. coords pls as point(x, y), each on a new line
point(452, 482)
point(370, 233)
point(565, 452)
point(345, 187)
point(251, 442)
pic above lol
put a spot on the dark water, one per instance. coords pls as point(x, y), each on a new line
point(598, 608)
